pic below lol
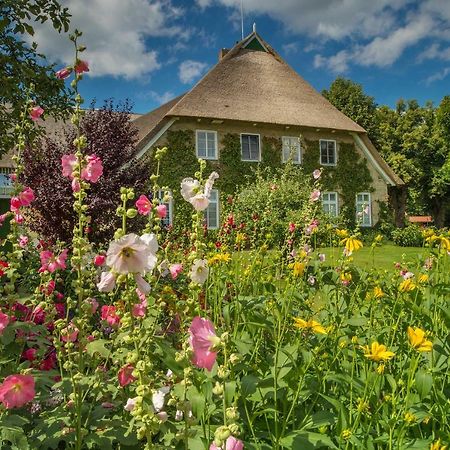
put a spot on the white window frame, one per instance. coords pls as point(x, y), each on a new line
point(215, 157)
point(6, 189)
point(320, 152)
point(360, 208)
point(299, 149)
point(217, 202)
point(329, 202)
point(169, 204)
point(259, 147)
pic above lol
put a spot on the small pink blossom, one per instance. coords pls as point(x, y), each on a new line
point(48, 288)
point(81, 66)
point(70, 333)
point(202, 339)
point(140, 309)
point(62, 74)
point(291, 227)
point(18, 218)
point(315, 195)
point(322, 257)
point(68, 163)
point(3, 218)
point(316, 174)
point(35, 113)
point(4, 321)
point(51, 262)
point(143, 205)
point(26, 196)
point(23, 241)
point(93, 170)
point(130, 405)
point(94, 304)
point(15, 204)
point(175, 270)
point(99, 260)
point(17, 390)
point(406, 275)
point(161, 211)
point(76, 187)
point(125, 375)
point(110, 316)
point(230, 444)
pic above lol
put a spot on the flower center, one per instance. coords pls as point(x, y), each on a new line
point(127, 252)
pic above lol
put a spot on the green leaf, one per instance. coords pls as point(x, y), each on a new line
point(248, 385)
point(301, 440)
point(424, 383)
point(98, 346)
point(320, 419)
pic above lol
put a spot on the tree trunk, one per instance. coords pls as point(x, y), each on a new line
point(397, 201)
point(439, 211)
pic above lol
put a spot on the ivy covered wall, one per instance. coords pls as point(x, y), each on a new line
point(349, 176)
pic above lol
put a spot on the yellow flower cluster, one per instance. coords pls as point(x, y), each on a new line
point(378, 352)
point(438, 445)
point(378, 292)
point(342, 233)
point(310, 324)
point(218, 258)
point(417, 339)
point(407, 285)
point(351, 244)
point(298, 268)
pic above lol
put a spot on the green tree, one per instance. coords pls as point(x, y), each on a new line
point(25, 72)
point(349, 97)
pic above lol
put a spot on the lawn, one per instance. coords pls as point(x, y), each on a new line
point(383, 258)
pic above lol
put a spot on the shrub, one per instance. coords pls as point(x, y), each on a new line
point(410, 236)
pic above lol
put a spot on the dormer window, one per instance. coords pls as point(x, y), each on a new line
point(206, 144)
point(328, 156)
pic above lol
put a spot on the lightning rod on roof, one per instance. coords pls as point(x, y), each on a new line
point(242, 19)
point(254, 27)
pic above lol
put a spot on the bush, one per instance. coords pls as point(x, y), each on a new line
point(410, 236)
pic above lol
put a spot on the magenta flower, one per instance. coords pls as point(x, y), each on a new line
point(175, 270)
point(143, 205)
point(62, 74)
point(51, 262)
point(161, 211)
point(15, 204)
point(4, 321)
point(291, 227)
point(125, 375)
point(93, 170)
point(17, 390)
point(81, 66)
point(35, 113)
point(110, 316)
point(315, 195)
point(99, 260)
point(23, 241)
point(26, 196)
point(203, 339)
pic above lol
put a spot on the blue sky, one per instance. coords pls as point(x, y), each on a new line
point(152, 50)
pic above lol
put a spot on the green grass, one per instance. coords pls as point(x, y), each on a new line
point(383, 258)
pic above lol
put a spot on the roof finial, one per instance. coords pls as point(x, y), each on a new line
point(242, 19)
point(254, 27)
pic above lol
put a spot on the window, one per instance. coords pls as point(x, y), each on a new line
point(291, 149)
point(212, 211)
point(330, 203)
point(327, 153)
point(206, 144)
point(168, 220)
point(363, 209)
point(5, 182)
point(250, 147)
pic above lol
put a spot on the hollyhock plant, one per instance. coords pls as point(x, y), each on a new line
point(125, 375)
point(192, 192)
point(68, 163)
point(108, 313)
point(15, 204)
point(26, 196)
point(62, 74)
point(17, 390)
point(81, 66)
point(93, 170)
point(203, 340)
point(4, 321)
point(144, 205)
point(175, 270)
point(51, 263)
point(199, 271)
point(35, 113)
point(139, 309)
point(161, 211)
point(315, 195)
point(107, 282)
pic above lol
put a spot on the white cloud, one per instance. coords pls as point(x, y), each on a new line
point(435, 51)
point(337, 63)
point(161, 98)
point(291, 47)
point(438, 76)
point(189, 70)
point(115, 33)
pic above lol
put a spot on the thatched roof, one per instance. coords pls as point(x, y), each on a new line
point(258, 86)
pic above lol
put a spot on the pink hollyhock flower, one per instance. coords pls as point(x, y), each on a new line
point(81, 66)
point(125, 375)
point(26, 196)
point(68, 163)
point(29, 354)
point(17, 390)
point(35, 113)
point(3, 218)
point(143, 205)
point(51, 262)
point(199, 201)
point(315, 195)
point(15, 204)
point(49, 288)
point(99, 260)
point(38, 315)
point(4, 321)
point(109, 315)
point(203, 339)
point(230, 444)
point(60, 310)
point(175, 270)
point(93, 170)
point(18, 218)
point(49, 362)
point(316, 174)
point(130, 405)
point(23, 241)
point(3, 265)
point(94, 304)
point(76, 187)
point(291, 227)
point(59, 296)
point(107, 282)
point(62, 74)
point(107, 405)
point(70, 333)
point(161, 211)
point(139, 309)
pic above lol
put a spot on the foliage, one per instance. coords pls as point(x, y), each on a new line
point(410, 236)
point(24, 70)
point(112, 137)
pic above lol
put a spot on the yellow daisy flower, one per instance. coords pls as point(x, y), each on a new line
point(310, 324)
point(298, 268)
point(438, 445)
point(377, 292)
point(407, 285)
point(378, 352)
point(351, 244)
point(417, 339)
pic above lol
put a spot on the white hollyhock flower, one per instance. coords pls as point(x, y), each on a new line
point(189, 187)
point(200, 202)
point(158, 398)
point(130, 405)
point(142, 285)
point(132, 254)
point(107, 282)
point(191, 191)
point(199, 271)
point(210, 183)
